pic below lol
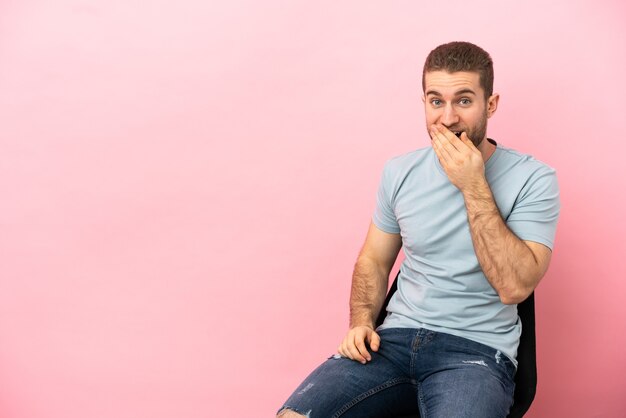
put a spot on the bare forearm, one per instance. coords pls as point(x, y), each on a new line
point(507, 262)
point(369, 286)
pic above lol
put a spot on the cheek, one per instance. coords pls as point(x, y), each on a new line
point(431, 116)
point(473, 118)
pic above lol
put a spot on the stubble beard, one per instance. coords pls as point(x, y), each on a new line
point(479, 132)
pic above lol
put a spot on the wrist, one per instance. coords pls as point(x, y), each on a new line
point(476, 188)
point(479, 201)
point(362, 323)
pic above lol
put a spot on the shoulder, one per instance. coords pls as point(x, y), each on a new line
point(512, 160)
point(524, 175)
point(520, 171)
point(398, 170)
point(408, 161)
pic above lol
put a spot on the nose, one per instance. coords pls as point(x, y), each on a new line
point(449, 117)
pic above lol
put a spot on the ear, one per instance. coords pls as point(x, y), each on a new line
point(492, 104)
point(423, 99)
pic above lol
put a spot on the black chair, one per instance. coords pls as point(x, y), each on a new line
point(526, 376)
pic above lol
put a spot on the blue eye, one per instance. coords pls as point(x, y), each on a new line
point(465, 102)
point(436, 102)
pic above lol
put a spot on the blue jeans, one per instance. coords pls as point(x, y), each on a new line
point(440, 374)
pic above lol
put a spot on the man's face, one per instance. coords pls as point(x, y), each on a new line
point(457, 101)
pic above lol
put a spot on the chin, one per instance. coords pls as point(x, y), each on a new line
point(477, 143)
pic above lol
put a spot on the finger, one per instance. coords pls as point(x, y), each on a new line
point(441, 156)
point(344, 349)
point(439, 144)
point(355, 354)
point(444, 142)
point(340, 350)
point(360, 345)
point(374, 340)
point(451, 138)
point(441, 132)
point(468, 142)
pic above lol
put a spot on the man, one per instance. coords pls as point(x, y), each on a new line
point(477, 223)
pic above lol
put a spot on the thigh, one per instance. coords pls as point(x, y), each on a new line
point(341, 387)
point(469, 381)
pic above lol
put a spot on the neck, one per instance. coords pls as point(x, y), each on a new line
point(486, 148)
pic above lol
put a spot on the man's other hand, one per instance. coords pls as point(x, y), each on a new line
point(353, 345)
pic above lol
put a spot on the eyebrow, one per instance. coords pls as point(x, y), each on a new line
point(457, 93)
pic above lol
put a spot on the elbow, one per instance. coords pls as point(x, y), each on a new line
point(515, 296)
point(517, 290)
point(512, 300)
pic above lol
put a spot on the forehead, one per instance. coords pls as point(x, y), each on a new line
point(445, 83)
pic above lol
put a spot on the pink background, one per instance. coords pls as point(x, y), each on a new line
point(185, 187)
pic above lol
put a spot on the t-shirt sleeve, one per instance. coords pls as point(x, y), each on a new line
point(536, 211)
point(384, 215)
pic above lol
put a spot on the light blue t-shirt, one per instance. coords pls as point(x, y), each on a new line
point(441, 285)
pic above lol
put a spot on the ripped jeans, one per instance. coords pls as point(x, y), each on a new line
point(440, 374)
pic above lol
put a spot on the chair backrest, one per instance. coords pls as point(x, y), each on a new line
point(526, 376)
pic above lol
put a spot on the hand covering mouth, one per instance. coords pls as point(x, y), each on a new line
point(455, 131)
